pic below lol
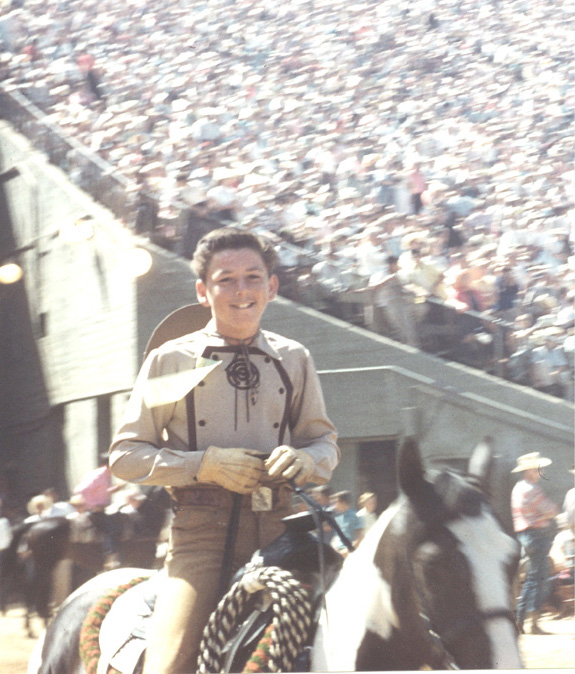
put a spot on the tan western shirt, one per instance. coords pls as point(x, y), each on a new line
point(286, 406)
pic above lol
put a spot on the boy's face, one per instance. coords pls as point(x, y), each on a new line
point(238, 289)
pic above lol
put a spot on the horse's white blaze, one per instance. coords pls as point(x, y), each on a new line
point(488, 550)
point(360, 599)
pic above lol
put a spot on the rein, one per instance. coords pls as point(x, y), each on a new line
point(320, 515)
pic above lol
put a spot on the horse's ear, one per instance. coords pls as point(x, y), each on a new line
point(481, 463)
point(410, 473)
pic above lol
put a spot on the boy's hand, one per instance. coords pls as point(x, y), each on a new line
point(288, 463)
point(232, 468)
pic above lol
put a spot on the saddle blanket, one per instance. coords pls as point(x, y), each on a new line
point(124, 629)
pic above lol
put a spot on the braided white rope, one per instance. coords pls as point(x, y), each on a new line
point(291, 618)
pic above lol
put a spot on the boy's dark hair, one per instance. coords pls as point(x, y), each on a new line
point(233, 238)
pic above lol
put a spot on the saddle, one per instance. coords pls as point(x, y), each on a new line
point(123, 632)
point(312, 563)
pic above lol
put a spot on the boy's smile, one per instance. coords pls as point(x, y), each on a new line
point(238, 289)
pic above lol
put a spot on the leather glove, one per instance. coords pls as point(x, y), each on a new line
point(287, 463)
point(232, 468)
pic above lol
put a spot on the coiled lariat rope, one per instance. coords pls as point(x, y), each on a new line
point(291, 619)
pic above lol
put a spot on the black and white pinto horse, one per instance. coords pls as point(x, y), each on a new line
point(430, 586)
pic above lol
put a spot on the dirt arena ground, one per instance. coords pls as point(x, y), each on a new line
point(553, 651)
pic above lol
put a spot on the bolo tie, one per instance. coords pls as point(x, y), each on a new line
point(243, 375)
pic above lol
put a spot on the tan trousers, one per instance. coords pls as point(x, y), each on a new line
point(188, 595)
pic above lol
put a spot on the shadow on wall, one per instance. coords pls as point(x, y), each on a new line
point(31, 438)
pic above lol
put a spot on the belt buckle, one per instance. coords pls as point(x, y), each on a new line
point(262, 499)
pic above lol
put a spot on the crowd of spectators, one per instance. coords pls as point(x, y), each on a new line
point(412, 155)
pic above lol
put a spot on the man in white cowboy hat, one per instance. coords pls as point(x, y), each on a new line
point(534, 523)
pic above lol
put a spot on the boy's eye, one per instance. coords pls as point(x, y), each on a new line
point(250, 278)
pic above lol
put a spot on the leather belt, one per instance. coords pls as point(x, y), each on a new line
point(215, 497)
point(198, 496)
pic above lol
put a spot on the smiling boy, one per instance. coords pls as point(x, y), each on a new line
point(254, 394)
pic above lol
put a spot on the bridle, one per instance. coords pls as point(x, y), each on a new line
point(441, 656)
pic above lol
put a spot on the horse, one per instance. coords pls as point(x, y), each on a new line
point(432, 580)
point(429, 586)
point(37, 548)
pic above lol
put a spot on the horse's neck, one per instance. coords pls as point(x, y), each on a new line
point(359, 600)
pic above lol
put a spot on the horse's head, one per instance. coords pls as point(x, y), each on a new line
point(431, 582)
point(456, 564)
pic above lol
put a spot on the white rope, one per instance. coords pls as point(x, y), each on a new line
point(291, 618)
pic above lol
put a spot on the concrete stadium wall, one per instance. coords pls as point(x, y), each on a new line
point(80, 307)
point(92, 321)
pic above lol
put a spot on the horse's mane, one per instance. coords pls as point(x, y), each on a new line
point(446, 495)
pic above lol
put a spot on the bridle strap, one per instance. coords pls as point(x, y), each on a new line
point(497, 613)
point(504, 613)
point(442, 657)
point(440, 643)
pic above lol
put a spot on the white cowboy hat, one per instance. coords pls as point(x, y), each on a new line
point(531, 461)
